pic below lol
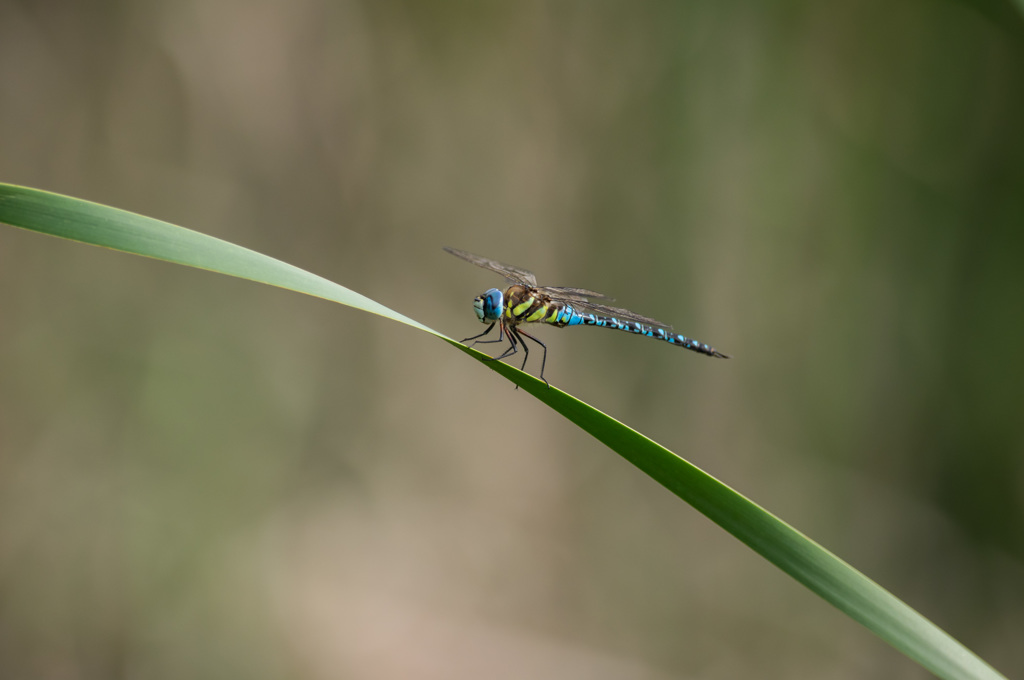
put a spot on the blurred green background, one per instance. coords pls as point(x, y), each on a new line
point(205, 478)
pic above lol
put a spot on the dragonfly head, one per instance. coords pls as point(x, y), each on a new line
point(488, 306)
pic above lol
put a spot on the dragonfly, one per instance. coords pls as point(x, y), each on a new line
point(524, 302)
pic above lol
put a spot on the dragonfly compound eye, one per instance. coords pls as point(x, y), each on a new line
point(488, 306)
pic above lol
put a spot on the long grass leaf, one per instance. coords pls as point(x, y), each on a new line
point(809, 563)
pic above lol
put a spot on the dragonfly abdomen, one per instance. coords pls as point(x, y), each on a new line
point(586, 319)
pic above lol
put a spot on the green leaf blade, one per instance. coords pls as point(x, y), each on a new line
point(100, 225)
point(809, 563)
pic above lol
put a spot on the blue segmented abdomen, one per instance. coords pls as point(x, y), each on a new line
point(570, 317)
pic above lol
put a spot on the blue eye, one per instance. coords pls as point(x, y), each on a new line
point(488, 306)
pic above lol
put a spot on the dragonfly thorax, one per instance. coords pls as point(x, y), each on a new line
point(488, 307)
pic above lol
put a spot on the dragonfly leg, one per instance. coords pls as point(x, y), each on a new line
point(513, 335)
point(515, 339)
point(526, 350)
point(501, 338)
point(544, 358)
point(512, 347)
point(489, 328)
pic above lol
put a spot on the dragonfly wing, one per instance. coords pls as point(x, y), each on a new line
point(514, 274)
point(572, 294)
point(580, 299)
point(619, 313)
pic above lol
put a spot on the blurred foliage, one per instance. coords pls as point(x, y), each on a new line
point(204, 478)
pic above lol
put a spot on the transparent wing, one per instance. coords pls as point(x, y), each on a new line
point(513, 274)
point(526, 278)
point(579, 298)
point(618, 313)
point(572, 294)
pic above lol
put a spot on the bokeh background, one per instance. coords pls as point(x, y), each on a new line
point(206, 478)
